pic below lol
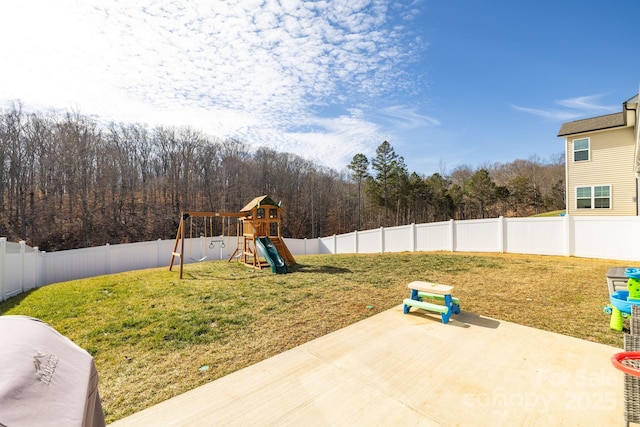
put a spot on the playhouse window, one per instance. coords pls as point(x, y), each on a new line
point(273, 213)
point(260, 213)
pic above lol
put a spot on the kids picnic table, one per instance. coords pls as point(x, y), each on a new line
point(437, 292)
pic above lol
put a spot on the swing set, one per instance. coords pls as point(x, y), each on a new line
point(212, 239)
point(257, 228)
point(199, 221)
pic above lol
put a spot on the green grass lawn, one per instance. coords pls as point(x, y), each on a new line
point(154, 336)
point(551, 213)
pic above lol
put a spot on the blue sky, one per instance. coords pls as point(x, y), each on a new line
point(447, 83)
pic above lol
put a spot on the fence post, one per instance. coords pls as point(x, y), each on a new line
point(36, 266)
point(568, 236)
point(335, 244)
point(23, 245)
point(355, 241)
point(43, 268)
point(381, 240)
point(452, 235)
point(158, 245)
point(501, 235)
point(3, 267)
point(413, 237)
point(107, 259)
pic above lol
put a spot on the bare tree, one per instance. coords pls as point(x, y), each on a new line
point(67, 181)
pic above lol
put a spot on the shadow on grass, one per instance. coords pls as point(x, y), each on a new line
point(250, 272)
point(326, 269)
point(13, 302)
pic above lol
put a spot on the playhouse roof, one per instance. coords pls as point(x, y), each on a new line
point(259, 201)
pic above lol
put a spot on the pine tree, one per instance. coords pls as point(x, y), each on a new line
point(384, 163)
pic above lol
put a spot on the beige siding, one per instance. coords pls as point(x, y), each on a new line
point(610, 163)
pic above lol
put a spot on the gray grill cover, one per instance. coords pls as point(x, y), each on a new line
point(45, 379)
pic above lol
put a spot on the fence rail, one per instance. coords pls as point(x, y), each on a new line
point(23, 268)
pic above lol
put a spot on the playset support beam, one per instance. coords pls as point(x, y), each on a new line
point(180, 235)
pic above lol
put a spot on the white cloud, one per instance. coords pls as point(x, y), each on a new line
point(253, 69)
point(577, 107)
point(587, 103)
point(407, 118)
point(556, 115)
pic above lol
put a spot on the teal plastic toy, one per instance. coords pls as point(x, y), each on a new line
point(633, 285)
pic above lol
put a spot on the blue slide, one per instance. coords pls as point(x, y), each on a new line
point(272, 256)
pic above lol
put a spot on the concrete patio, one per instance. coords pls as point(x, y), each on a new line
point(397, 369)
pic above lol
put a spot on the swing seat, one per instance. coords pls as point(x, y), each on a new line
point(198, 260)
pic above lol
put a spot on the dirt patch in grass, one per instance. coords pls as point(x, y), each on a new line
point(154, 336)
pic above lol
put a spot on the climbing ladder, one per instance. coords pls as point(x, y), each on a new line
point(283, 250)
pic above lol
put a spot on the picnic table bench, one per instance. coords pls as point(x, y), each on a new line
point(436, 292)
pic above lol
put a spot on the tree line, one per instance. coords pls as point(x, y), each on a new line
point(69, 181)
point(393, 196)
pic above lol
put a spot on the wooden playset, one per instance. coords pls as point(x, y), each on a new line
point(257, 229)
point(260, 225)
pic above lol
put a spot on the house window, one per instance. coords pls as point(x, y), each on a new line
point(581, 150)
point(602, 197)
point(583, 197)
point(595, 197)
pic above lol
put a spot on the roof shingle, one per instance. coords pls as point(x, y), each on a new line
point(594, 123)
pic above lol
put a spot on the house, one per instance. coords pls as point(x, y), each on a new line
point(602, 163)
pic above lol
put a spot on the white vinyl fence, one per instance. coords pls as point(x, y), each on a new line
point(23, 268)
point(615, 238)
